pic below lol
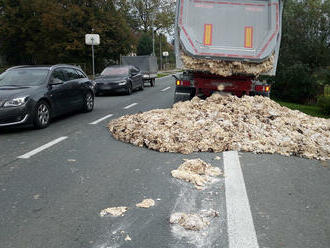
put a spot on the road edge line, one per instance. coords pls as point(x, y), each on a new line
point(241, 230)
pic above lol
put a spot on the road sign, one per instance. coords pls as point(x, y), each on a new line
point(92, 39)
point(165, 54)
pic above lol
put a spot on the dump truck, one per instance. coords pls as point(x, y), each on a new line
point(147, 65)
point(226, 45)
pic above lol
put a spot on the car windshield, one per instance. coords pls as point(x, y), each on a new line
point(115, 71)
point(23, 77)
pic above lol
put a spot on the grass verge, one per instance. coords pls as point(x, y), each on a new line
point(312, 110)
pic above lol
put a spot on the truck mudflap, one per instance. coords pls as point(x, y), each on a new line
point(246, 30)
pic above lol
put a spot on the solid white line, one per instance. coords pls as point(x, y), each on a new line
point(166, 89)
point(101, 119)
point(131, 105)
point(241, 231)
point(43, 147)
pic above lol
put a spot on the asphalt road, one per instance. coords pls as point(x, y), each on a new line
point(53, 198)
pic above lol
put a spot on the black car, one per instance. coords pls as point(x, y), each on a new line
point(120, 78)
point(36, 94)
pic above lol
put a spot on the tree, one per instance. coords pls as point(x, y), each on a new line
point(48, 32)
point(145, 45)
point(305, 50)
point(143, 15)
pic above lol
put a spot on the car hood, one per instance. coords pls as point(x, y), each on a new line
point(10, 92)
point(110, 79)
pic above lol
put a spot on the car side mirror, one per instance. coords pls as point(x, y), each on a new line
point(55, 81)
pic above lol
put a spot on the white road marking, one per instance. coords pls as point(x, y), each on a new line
point(41, 148)
point(241, 231)
point(131, 105)
point(167, 88)
point(101, 119)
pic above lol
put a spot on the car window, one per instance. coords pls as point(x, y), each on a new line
point(80, 74)
point(115, 71)
point(134, 70)
point(71, 74)
point(23, 76)
point(57, 76)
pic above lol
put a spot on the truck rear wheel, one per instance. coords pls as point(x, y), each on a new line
point(152, 82)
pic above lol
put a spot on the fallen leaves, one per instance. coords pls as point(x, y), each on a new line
point(221, 123)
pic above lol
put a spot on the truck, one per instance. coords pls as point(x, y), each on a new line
point(147, 65)
point(225, 46)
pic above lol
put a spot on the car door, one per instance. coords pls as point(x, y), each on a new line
point(139, 77)
point(58, 91)
point(85, 84)
point(73, 88)
point(135, 77)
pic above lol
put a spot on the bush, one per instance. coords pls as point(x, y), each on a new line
point(324, 103)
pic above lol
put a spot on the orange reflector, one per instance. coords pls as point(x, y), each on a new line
point(248, 39)
point(267, 88)
point(207, 34)
point(178, 82)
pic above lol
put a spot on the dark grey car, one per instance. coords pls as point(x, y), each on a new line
point(35, 94)
point(119, 78)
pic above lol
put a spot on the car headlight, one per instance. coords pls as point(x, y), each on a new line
point(122, 83)
point(19, 101)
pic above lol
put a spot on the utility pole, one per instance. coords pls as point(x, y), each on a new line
point(153, 35)
point(93, 57)
point(160, 51)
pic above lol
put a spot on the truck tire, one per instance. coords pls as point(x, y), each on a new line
point(152, 82)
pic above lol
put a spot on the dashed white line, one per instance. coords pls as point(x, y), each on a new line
point(101, 119)
point(167, 88)
point(131, 105)
point(41, 148)
point(241, 231)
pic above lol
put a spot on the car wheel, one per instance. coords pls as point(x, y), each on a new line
point(129, 89)
point(41, 117)
point(88, 102)
point(142, 85)
point(152, 82)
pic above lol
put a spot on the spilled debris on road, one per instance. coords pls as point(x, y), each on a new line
point(146, 203)
point(115, 211)
point(193, 222)
point(196, 171)
point(221, 123)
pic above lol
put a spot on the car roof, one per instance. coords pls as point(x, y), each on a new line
point(122, 66)
point(49, 67)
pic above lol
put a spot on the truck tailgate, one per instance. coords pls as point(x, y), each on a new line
point(230, 30)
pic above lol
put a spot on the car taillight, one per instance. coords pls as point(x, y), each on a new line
point(183, 82)
point(263, 88)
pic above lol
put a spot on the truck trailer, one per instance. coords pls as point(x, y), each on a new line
point(147, 65)
point(226, 45)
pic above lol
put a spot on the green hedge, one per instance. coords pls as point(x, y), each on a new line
point(324, 103)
